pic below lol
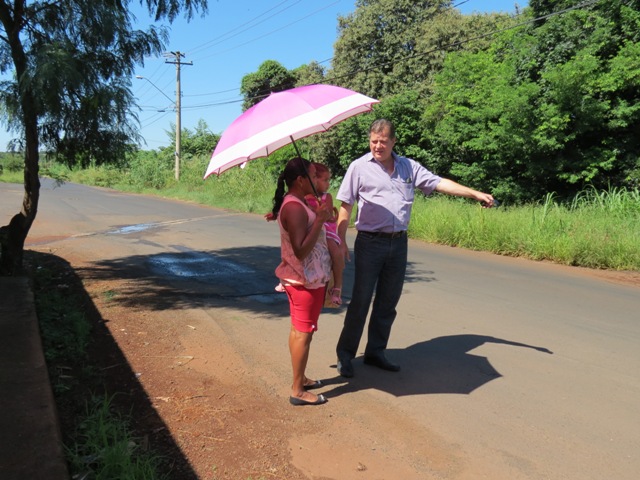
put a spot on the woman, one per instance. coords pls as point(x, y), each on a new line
point(305, 268)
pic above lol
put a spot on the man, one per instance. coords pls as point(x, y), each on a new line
point(383, 184)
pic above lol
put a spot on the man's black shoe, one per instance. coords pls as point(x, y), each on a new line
point(345, 368)
point(381, 362)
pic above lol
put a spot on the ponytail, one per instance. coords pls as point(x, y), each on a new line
point(278, 198)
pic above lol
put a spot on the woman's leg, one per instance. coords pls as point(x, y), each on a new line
point(299, 346)
point(305, 306)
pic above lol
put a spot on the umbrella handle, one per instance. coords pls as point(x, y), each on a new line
point(306, 172)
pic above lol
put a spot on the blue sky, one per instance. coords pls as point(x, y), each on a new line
point(232, 41)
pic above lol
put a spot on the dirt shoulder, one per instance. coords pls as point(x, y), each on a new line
point(197, 402)
point(622, 278)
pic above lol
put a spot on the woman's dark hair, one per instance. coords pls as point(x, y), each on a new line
point(296, 167)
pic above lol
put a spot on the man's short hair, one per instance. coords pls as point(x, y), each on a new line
point(382, 125)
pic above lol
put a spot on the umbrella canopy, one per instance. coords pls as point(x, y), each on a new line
point(282, 118)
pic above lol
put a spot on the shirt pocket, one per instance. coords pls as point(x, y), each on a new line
point(404, 186)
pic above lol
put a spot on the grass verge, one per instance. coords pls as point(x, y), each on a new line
point(99, 441)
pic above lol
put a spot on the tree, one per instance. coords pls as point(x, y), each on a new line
point(449, 31)
point(71, 61)
point(540, 8)
point(271, 77)
point(376, 51)
point(479, 124)
point(309, 74)
point(194, 143)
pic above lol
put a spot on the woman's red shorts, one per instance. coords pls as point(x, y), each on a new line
point(305, 306)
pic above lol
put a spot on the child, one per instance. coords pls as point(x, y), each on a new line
point(323, 177)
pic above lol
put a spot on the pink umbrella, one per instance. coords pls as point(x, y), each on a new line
point(282, 118)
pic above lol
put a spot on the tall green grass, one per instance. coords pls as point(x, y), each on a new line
point(105, 449)
point(248, 189)
point(598, 230)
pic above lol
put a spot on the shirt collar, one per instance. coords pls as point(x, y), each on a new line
point(393, 155)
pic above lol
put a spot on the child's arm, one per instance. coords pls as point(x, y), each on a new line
point(328, 200)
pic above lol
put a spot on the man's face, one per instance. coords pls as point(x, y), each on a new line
point(381, 145)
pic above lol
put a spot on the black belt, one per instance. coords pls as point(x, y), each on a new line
point(399, 234)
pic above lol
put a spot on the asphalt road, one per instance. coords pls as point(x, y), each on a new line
point(511, 368)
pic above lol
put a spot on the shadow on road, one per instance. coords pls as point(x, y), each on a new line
point(439, 365)
point(239, 277)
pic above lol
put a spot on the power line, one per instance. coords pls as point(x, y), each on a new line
point(249, 23)
point(460, 3)
point(222, 38)
point(315, 12)
point(215, 104)
point(212, 93)
point(151, 120)
point(221, 103)
point(440, 48)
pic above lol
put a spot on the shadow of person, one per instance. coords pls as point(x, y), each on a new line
point(439, 365)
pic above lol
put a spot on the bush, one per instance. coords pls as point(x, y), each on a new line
point(149, 169)
point(11, 162)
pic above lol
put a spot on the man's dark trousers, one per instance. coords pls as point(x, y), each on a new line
point(380, 265)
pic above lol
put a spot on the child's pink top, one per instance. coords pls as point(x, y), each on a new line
point(331, 227)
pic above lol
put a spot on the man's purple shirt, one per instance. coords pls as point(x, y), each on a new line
point(384, 201)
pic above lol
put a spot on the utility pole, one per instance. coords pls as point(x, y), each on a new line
point(177, 55)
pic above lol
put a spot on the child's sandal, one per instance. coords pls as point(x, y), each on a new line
point(336, 296)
